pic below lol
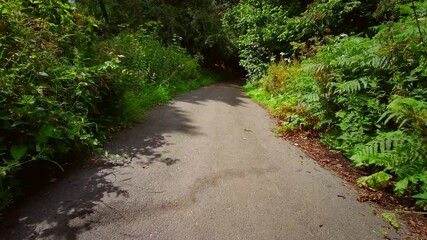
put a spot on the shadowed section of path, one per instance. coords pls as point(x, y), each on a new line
point(205, 166)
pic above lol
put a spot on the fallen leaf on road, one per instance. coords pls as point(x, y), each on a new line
point(391, 218)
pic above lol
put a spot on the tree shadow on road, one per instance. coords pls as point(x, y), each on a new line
point(144, 143)
point(230, 94)
point(65, 209)
point(69, 206)
point(144, 151)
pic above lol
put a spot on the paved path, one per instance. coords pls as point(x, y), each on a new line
point(205, 166)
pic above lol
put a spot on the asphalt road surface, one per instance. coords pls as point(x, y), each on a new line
point(205, 166)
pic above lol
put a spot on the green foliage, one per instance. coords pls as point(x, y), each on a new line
point(269, 30)
point(367, 95)
point(402, 152)
point(376, 181)
point(255, 28)
point(148, 74)
point(385, 77)
point(62, 88)
point(290, 108)
point(195, 25)
point(392, 219)
point(46, 91)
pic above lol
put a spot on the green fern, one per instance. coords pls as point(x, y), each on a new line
point(317, 67)
point(381, 150)
point(407, 111)
point(401, 154)
point(351, 87)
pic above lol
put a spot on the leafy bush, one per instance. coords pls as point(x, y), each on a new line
point(268, 30)
point(148, 74)
point(368, 96)
point(45, 89)
point(255, 28)
point(402, 152)
point(290, 89)
point(61, 87)
point(195, 25)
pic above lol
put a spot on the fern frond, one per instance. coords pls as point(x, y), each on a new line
point(380, 149)
point(381, 62)
point(406, 110)
point(351, 87)
point(314, 67)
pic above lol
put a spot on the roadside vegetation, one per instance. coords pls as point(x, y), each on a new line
point(68, 76)
point(354, 71)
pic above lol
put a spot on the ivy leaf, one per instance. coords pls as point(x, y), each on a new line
point(18, 151)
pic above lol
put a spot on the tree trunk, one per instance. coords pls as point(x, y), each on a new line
point(103, 10)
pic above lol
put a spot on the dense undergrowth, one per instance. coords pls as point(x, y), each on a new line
point(63, 85)
point(366, 95)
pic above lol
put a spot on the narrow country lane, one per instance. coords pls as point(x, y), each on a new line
point(205, 166)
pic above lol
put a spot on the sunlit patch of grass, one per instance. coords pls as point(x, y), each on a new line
point(136, 103)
